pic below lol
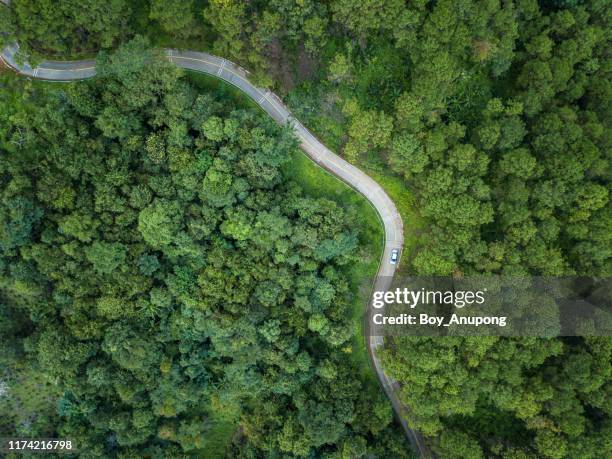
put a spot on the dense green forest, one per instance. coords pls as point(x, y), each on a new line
point(494, 116)
point(160, 274)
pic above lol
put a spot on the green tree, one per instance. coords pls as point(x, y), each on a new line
point(175, 17)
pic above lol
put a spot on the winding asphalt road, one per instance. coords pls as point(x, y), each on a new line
point(271, 104)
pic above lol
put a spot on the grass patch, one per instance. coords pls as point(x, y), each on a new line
point(223, 426)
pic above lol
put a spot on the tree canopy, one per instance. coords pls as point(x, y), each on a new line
point(159, 270)
point(492, 117)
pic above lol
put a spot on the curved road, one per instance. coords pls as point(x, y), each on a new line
point(271, 104)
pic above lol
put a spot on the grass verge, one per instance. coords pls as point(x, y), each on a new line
point(405, 202)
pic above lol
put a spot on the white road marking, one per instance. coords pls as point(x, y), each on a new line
point(262, 98)
point(64, 70)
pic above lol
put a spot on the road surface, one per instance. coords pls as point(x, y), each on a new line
point(319, 153)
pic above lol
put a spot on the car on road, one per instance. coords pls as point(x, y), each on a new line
point(394, 256)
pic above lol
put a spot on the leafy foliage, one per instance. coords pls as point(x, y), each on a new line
point(496, 114)
point(173, 272)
